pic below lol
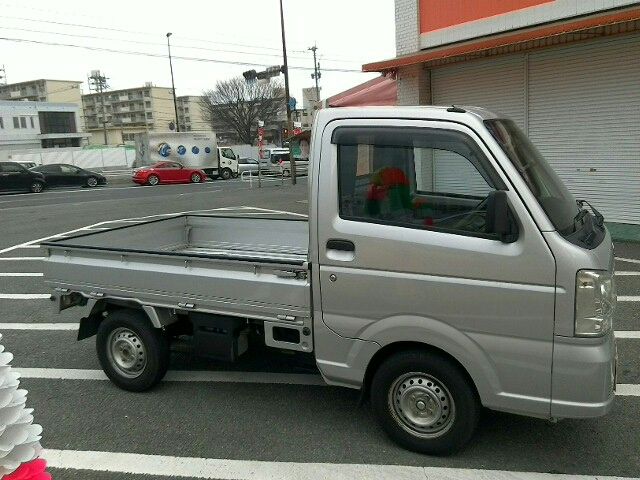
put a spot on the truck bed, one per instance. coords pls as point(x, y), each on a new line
point(245, 267)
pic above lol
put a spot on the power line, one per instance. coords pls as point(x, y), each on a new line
point(193, 59)
point(156, 44)
point(121, 30)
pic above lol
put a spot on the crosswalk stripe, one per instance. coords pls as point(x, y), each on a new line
point(21, 259)
point(627, 334)
point(627, 274)
point(175, 467)
point(21, 274)
point(39, 326)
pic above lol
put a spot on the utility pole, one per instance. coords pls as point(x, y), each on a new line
point(3, 76)
point(286, 91)
point(316, 75)
point(173, 84)
point(98, 83)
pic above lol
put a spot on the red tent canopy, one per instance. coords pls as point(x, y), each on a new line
point(381, 91)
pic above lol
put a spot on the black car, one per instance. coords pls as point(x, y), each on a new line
point(63, 175)
point(15, 178)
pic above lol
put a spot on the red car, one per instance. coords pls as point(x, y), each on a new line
point(168, 172)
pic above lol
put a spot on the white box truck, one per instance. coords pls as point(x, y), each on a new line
point(191, 149)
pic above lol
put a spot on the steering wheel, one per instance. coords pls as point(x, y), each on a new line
point(474, 219)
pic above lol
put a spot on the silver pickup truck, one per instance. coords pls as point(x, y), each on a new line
point(444, 267)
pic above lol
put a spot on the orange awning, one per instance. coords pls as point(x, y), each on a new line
point(381, 92)
point(511, 38)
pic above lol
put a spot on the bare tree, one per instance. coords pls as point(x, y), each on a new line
point(235, 105)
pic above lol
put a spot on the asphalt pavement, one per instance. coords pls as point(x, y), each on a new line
point(267, 416)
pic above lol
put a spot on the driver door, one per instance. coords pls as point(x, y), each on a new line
point(403, 247)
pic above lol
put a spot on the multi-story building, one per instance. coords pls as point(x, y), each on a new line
point(566, 71)
point(190, 116)
point(127, 112)
point(46, 90)
point(34, 125)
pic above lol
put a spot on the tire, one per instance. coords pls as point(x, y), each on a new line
point(196, 177)
point(153, 180)
point(425, 402)
point(225, 174)
point(92, 182)
point(36, 187)
point(286, 173)
point(133, 354)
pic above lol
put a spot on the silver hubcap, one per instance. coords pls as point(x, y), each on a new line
point(195, 179)
point(36, 187)
point(421, 405)
point(126, 352)
point(93, 182)
point(153, 180)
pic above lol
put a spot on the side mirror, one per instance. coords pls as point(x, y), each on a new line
point(499, 220)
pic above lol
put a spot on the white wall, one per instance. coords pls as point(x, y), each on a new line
point(104, 158)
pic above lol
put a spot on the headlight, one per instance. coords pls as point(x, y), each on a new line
point(595, 303)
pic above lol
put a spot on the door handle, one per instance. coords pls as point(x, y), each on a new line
point(341, 245)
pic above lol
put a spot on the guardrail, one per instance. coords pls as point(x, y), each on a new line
point(262, 176)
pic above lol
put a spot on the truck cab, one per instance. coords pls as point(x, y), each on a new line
point(444, 267)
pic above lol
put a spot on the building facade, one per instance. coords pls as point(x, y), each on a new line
point(46, 90)
point(566, 71)
point(34, 125)
point(127, 112)
point(190, 116)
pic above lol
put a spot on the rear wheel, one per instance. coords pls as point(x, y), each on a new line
point(225, 174)
point(286, 173)
point(425, 402)
point(196, 178)
point(133, 354)
point(92, 182)
point(153, 180)
point(36, 187)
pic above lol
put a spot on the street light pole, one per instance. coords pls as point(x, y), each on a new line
point(173, 84)
point(286, 92)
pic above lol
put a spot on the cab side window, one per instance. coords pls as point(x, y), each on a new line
point(414, 177)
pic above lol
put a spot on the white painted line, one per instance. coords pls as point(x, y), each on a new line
point(181, 376)
point(628, 260)
point(279, 211)
point(627, 274)
point(628, 390)
point(30, 246)
point(39, 326)
point(6, 259)
point(24, 296)
point(627, 298)
point(23, 274)
point(627, 334)
point(176, 467)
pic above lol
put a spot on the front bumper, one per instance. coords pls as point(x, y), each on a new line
point(584, 376)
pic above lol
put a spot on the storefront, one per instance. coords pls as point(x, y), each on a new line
point(567, 72)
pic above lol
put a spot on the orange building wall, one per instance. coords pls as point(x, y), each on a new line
point(437, 14)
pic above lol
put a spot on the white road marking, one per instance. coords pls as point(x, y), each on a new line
point(628, 389)
point(627, 274)
point(628, 260)
point(39, 326)
point(181, 376)
point(628, 298)
point(279, 211)
point(175, 467)
point(24, 296)
point(21, 259)
point(23, 274)
point(627, 334)
point(30, 246)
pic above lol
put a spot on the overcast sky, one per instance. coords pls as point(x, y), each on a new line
point(348, 33)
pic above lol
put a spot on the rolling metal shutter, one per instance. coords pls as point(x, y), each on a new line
point(496, 84)
point(584, 116)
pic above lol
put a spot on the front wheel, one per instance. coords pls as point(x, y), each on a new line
point(36, 187)
point(286, 173)
point(196, 178)
point(425, 402)
point(225, 174)
point(153, 180)
point(133, 354)
point(92, 182)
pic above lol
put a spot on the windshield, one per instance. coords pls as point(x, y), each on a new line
point(228, 153)
point(554, 197)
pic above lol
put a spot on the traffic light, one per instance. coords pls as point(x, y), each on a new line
point(250, 75)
